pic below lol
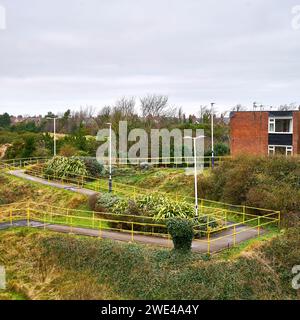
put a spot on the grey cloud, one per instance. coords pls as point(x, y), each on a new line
point(59, 54)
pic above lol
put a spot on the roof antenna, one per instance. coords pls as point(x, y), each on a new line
point(254, 106)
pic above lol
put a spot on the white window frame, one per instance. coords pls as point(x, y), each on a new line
point(272, 121)
point(271, 150)
point(288, 149)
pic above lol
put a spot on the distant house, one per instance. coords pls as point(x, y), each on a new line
point(265, 132)
point(36, 119)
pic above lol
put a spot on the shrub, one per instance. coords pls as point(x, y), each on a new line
point(65, 167)
point(156, 206)
point(106, 201)
point(94, 168)
point(170, 209)
point(93, 201)
point(182, 233)
point(203, 223)
point(255, 181)
point(67, 150)
point(131, 207)
point(221, 149)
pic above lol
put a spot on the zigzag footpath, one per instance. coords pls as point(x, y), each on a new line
point(219, 241)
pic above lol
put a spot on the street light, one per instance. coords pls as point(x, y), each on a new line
point(110, 166)
point(54, 133)
point(212, 135)
point(195, 171)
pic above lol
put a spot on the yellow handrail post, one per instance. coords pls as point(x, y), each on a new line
point(244, 213)
point(279, 218)
point(207, 222)
point(258, 226)
point(93, 219)
point(202, 205)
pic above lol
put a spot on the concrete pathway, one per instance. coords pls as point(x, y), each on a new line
point(197, 246)
point(23, 175)
point(219, 241)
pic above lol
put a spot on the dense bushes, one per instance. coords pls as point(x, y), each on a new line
point(94, 168)
point(73, 166)
point(156, 206)
point(65, 167)
point(182, 233)
point(260, 182)
point(106, 201)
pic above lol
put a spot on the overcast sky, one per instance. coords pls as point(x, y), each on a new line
point(59, 54)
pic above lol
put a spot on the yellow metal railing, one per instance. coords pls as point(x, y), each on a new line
point(98, 185)
point(232, 220)
point(176, 162)
point(211, 240)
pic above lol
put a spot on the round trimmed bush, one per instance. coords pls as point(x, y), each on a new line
point(182, 233)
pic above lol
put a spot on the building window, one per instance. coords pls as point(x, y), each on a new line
point(271, 150)
point(289, 151)
point(280, 150)
point(271, 125)
point(280, 125)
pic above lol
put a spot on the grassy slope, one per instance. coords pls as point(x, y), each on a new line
point(14, 189)
point(167, 180)
point(46, 265)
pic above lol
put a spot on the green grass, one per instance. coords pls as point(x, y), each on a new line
point(8, 295)
point(14, 189)
point(46, 265)
point(234, 252)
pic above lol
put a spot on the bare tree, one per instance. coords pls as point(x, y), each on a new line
point(288, 107)
point(239, 107)
point(125, 106)
point(202, 112)
point(154, 106)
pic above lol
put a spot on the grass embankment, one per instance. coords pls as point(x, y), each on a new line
point(253, 181)
point(13, 189)
point(159, 179)
point(44, 265)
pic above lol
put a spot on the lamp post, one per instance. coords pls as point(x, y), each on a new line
point(195, 171)
point(110, 165)
point(212, 135)
point(54, 133)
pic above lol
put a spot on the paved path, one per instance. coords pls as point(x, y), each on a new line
point(216, 244)
point(23, 175)
point(197, 246)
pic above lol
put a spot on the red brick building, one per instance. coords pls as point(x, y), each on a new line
point(265, 132)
